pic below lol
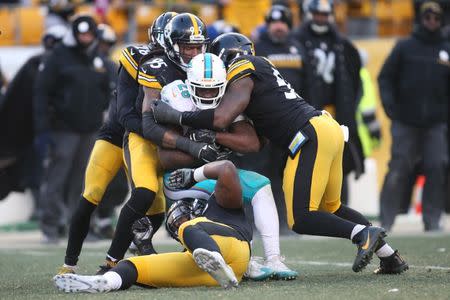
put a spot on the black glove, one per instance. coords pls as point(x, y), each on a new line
point(203, 151)
point(181, 179)
point(142, 236)
point(209, 153)
point(164, 113)
point(202, 136)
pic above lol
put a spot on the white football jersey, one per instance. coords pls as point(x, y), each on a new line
point(176, 94)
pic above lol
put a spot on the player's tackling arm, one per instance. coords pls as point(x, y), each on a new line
point(233, 103)
point(240, 137)
point(152, 131)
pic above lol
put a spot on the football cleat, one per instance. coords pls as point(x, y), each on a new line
point(72, 283)
point(214, 264)
point(394, 264)
point(66, 270)
point(109, 264)
point(371, 237)
point(280, 270)
point(257, 271)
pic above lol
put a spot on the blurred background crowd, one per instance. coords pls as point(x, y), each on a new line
point(380, 67)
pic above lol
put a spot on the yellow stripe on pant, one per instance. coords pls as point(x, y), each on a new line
point(104, 163)
point(313, 178)
point(180, 270)
point(144, 169)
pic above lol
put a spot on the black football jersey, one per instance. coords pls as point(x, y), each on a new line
point(235, 218)
point(156, 73)
point(276, 110)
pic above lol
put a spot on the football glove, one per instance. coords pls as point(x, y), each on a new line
point(142, 235)
point(181, 179)
point(202, 136)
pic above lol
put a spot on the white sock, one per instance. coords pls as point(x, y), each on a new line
point(111, 258)
point(114, 279)
point(70, 267)
point(385, 251)
point(266, 220)
point(356, 230)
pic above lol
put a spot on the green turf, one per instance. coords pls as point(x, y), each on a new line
point(325, 265)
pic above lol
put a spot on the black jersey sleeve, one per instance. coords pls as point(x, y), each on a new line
point(239, 68)
point(127, 92)
point(131, 56)
point(151, 73)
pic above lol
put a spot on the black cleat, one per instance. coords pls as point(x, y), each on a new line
point(370, 238)
point(109, 264)
point(394, 264)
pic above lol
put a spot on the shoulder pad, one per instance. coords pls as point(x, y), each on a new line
point(240, 67)
point(131, 56)
point(151, 72)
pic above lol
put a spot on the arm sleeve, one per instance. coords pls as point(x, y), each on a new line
point(387, 79)
point(151, 130)
point(127, 92)
point(45, 85)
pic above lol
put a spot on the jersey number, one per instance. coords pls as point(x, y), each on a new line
point(184, 91)
point(325, 65)
point(157, 63)
point(143, 50)
point(282, 82)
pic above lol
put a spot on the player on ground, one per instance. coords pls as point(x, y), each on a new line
point(204, 88)
point(217, 243)
point(313, 140)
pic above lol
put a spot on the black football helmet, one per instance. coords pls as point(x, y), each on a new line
point(178, 213)
point(184, 29)
point(228, 46)
point(156, 31)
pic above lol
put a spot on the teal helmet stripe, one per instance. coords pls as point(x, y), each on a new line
point(208, 65)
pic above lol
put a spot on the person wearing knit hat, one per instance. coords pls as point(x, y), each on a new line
point(415, 92)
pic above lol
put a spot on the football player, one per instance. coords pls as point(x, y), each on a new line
point(314, 144)
point(217, 242)
point(106, 156)
point(184, 37)
point(205, 85)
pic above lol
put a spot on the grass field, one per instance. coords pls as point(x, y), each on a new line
point(325, 265)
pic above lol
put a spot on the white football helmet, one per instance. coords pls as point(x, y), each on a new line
point(205, 72)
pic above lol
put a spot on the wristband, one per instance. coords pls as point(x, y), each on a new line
point(199, 174)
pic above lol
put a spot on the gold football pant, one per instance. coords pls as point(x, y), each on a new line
point(144, 169)
point(179, 269)
point(313, 178)
point(105, 161)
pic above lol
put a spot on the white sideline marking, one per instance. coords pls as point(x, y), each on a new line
point(299, 262)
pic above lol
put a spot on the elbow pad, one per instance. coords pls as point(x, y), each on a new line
point(151, 130)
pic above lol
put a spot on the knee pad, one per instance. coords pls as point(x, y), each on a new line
point(127, 272)
point(140, 201)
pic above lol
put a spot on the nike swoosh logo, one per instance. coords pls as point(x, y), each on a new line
point(366, 245)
